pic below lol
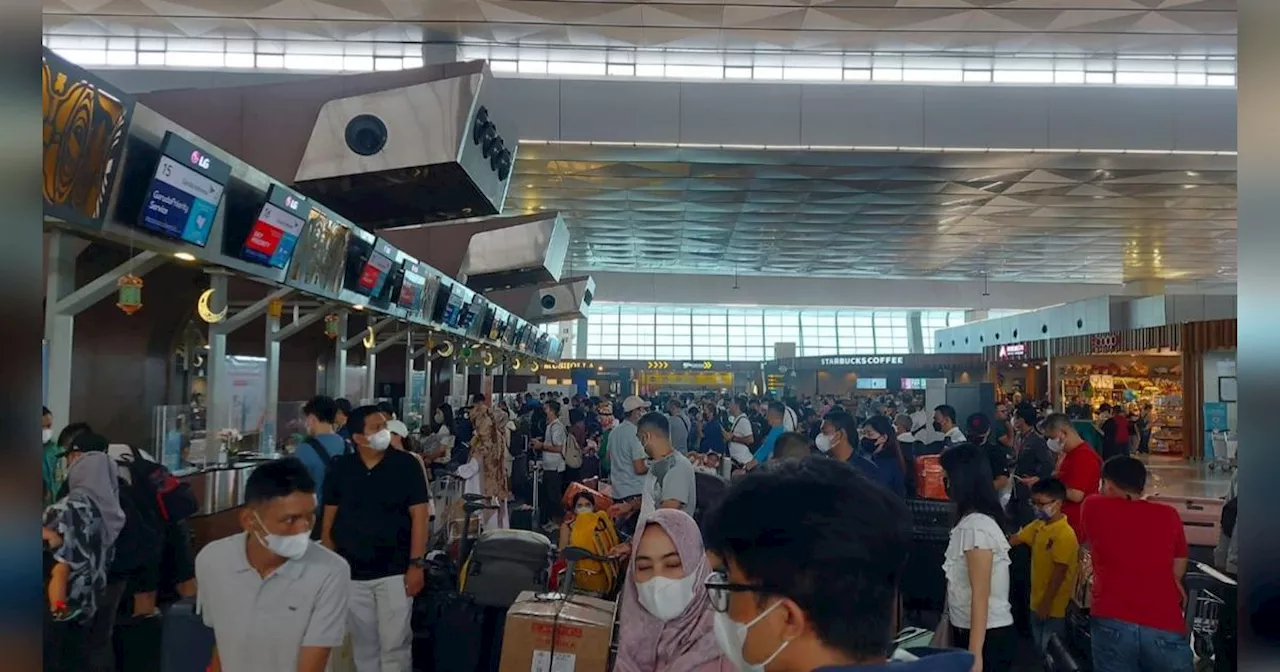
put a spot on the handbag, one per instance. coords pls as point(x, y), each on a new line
point(942, 634)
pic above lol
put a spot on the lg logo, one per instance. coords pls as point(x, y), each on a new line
point(291, 202)
point(199, 159)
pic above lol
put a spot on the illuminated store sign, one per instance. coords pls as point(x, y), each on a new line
point(1015, 350)
point(872, 360)
point(569, 365)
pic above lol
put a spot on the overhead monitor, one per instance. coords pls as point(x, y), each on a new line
point(318, 262)
point(274, 235)
point(185, 192)
point(413, 282)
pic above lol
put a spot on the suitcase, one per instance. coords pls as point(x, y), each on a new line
point(522, 518)
point(186, 643)
point(457, 639)
point(931, 520)
point(590, 466)
point(1201, 517)
point(504, 563)
point(930, 478)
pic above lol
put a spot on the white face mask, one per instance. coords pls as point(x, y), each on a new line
point(291, 546)
point(824, 443)
point(380, 440)
point(667, 598)
point(732, 637)
point(46, 435)
point(584, 508)
point(1055, 445)
point(439, 418)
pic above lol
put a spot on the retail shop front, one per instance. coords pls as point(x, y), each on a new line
point(1170, 367)
point(843, 375)
point(1019, 369)
point(589, 377)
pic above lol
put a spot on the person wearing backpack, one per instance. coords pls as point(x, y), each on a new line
point(321, 447)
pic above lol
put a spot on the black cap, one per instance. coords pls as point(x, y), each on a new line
point(87, 442)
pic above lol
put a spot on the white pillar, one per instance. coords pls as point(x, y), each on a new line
point(269, 425)
point(59, 329)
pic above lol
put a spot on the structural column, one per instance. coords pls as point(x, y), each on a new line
point(218, 397)
point(272, 419)
point(915, 333)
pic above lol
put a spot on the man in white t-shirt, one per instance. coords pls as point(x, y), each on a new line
point(739, 434)
point(789, 420)
point(944, 421)
point(553, 465)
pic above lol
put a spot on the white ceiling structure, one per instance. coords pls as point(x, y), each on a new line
point(1080, 218)
point(1008, 216)
point(1160, 27)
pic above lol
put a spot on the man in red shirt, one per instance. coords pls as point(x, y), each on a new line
point(1080, 468)
point(1139, 553)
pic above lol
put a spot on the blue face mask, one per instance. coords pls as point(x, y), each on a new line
point(1046, 514)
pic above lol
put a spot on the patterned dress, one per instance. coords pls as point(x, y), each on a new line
point(76, 519)
point(489, 449)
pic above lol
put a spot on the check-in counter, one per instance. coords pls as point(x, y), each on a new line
point(219, 489)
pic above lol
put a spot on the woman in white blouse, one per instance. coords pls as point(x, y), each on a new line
point(977, 563)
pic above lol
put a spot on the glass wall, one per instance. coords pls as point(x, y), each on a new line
point(933, 320)
point(725, 333)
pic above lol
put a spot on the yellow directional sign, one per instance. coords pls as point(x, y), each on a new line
point(707, 366)
point(658, 366)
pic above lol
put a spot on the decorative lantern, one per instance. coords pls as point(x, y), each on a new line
point(275, 308)
point(129, 294)
point(331, 326)
point(466, 352)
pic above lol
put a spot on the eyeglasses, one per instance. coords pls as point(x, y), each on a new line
point(719, 588)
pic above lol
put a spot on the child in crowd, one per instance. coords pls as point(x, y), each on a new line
point(1055, 560)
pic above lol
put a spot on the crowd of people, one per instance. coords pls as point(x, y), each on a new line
point(797, 564)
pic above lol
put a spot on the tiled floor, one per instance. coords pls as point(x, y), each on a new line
point(1180, 478)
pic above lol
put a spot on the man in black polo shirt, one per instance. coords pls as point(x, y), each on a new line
point(375, 517)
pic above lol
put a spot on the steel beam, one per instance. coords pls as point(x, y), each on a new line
point(377, 325)
point(63, 301)
point(302, 322)
point(253, 311)
point(271, 421)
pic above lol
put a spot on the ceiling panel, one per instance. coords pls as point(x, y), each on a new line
point(1038, 217)
point(1003, 26)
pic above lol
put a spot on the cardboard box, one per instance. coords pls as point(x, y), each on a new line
point(546, 633)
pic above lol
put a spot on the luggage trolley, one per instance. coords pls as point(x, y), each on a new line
point(1210, 595)
point(1224, 452)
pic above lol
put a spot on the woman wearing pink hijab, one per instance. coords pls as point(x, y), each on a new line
point(666, 619)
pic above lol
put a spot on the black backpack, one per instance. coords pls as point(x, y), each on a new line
point(139, 543)
point(151, 481)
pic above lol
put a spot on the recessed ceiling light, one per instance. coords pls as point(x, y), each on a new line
point(185, 256)
point(358, 307)
point(1192, 173)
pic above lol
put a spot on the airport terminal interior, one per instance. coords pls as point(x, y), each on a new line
point(494, 335)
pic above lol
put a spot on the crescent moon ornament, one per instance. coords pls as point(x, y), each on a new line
point(533, 367)
point(206, 314)
point(487, 358)
point(515, 363)
point(369, 338)
point(446, 349)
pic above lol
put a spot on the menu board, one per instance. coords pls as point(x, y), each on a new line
point(913, 383)
point(274, 235)
point(319, 259)
point(185, 193)
point(873, 383)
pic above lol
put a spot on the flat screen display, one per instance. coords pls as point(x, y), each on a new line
point(497, 325)
point(444, 296)
point(509, 334)
point(913, 383)
point(472, 320)
point(185, 192)
point(412, 286)
point(375, 271)
point(319, 259)
point(873, 383)
point(453, 313)
point(274, 235)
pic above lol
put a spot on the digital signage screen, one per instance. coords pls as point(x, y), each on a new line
point(472, 320)
point(444, 296)
point(495, 324)
point(185, 192)
point(319, 259)
point(873, 383)
point(275, 234)
point(509, 334)
point(412, 286)
point(368, 263)
point(453, 312)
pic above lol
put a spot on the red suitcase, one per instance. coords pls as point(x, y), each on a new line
point(1201, 517)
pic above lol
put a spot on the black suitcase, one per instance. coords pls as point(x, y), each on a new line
point(522, 518)
point(931, 520)
point(457, 636)
point(186, 642)
point(504, 563)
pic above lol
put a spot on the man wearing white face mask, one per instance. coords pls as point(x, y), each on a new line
point(274, 600)
point(806, 557)
point(375, 517)
point(53, 464)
